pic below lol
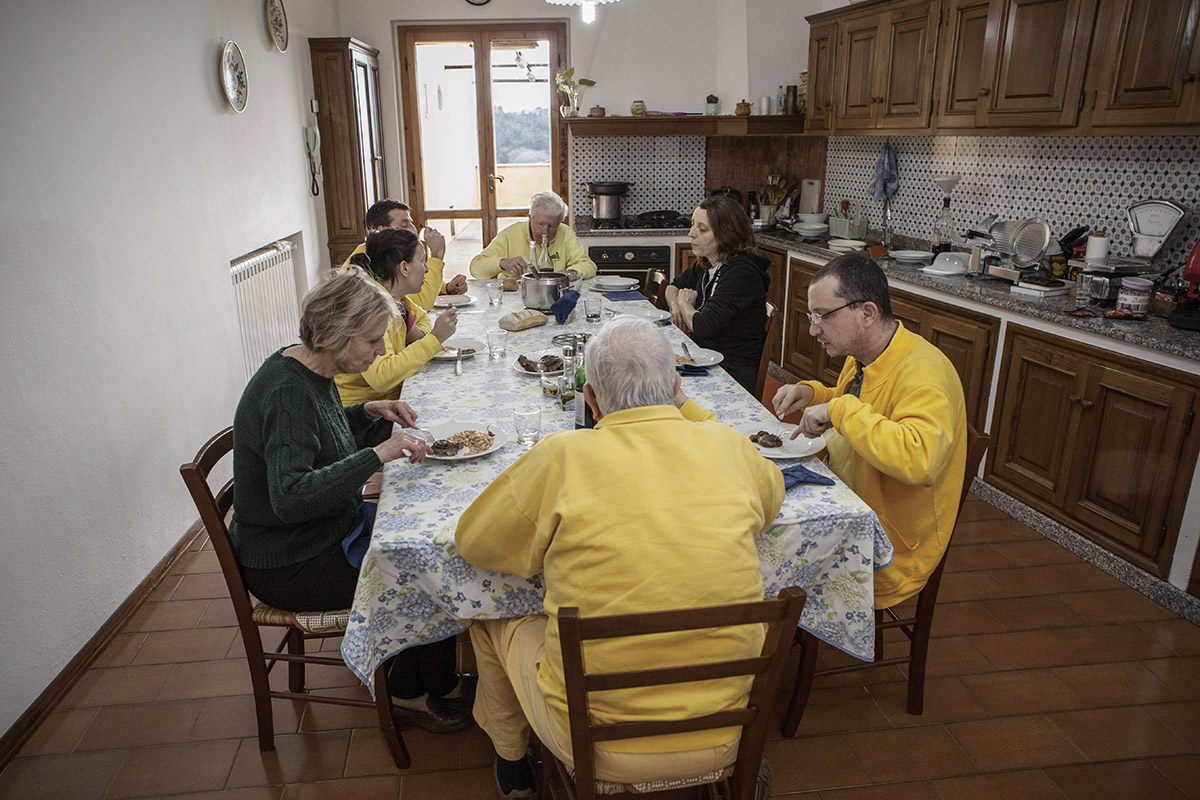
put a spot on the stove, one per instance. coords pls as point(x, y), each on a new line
point(652, 220)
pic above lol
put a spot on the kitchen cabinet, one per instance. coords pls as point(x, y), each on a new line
point(960, 51)
point(822, 45)
point(346, 88)
point(1151, 58)
point(1102, 443)
point(685, 259)
point(686, 125)
point(802, 353)
point(884, 68)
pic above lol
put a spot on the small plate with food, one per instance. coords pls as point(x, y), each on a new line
point(613, 283)
point(771, 439)
point(540, 362)
point(458, 441)
point(699, 356)
point(448, 300)
point(468, 348)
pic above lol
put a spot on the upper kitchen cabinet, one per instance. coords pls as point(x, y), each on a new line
point(964, 31)
point(884, 68)
point(346, 87)
point(822, 45)
point(1146, 64)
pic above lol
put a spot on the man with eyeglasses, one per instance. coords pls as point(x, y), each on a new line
point(895, 423)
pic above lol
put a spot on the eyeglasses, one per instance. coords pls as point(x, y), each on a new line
point(817, 319)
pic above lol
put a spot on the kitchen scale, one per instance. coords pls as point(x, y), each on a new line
point(1151, 223)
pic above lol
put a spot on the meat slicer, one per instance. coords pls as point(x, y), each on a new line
point(1013, 246)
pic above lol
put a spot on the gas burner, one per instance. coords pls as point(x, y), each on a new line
point(651, 220)
point(608, 224)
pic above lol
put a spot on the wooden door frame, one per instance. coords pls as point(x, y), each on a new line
point(477, 33)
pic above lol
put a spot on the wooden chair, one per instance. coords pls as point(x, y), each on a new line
point(916, 627)
point(299, 627)
point(655, 288)
point(740, 780)
point(764, 360)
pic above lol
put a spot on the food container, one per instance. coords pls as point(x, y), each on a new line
point(543, 291)
point(1135, 295)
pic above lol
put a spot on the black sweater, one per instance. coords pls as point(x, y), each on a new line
point(733, 319)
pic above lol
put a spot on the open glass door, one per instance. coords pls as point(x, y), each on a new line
point(476, 155)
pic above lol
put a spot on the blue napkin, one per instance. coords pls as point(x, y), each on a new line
point(691, 370)
point(621, 296)
point(798, 473)
point(564, 305)
point(354, 545)
point(886, 179)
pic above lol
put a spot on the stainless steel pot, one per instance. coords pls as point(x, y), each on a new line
point(543, 291)
point(606, 206)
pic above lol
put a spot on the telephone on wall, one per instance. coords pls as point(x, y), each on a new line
point(312, 143)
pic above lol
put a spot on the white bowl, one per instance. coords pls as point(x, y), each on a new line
point(812, 219)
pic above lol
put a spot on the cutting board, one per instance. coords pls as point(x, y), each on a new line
point(810, 196)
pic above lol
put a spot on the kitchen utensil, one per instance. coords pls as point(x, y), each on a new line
point(1073, 238)
point(948, 264)
point(1151, 222)
point(810, 196)
point(608, 187)
point(813, 219)
point(455, 300)
point(846, 209)
point(728, 191)
point(911, 255)
point(685, 350)
point(762, 224)
point(541, 291)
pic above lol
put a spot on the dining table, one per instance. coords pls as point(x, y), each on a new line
point(414, 587)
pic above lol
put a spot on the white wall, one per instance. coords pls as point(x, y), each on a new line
point(128, 185)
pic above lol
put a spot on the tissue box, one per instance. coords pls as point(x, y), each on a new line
point(842, 228)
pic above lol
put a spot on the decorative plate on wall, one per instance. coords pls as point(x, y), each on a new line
point(233, 76)
point(277, 24)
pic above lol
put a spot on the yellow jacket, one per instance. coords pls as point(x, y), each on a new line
point(384, 379)
point(565, 252)
point(432, 285)
point(649, 510)
point(901, 445)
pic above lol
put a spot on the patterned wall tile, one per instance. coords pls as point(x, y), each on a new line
point(667, 171)
point(1067, 181)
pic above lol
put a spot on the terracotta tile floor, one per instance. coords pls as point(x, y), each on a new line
point(1046, 679)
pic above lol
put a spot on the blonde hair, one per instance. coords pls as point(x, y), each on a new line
point(342, 307)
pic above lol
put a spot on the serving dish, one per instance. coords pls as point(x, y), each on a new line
point(233, 76)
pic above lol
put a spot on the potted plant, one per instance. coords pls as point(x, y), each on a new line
point(570, 87)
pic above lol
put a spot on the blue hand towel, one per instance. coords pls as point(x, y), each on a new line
point(886, 179)
point(618, 297)
point(564, 305)
point(691, 370)
point(798, 473)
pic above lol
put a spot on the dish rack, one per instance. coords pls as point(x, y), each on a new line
point(842, 228)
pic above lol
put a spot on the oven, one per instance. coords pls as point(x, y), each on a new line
point(631, 261)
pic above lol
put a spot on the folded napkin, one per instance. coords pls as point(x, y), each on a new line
point(564, 305)
point(622, 296)
point(798, 473)
point(886, 179)
point(691, 369)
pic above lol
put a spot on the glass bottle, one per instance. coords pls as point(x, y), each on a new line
point(533, 254)
point(544, 263)
point(943, 229)
point(584, 418)
point(752, 207)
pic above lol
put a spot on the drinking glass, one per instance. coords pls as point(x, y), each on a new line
point(495, 292)
point(497, 343)
point(593, 304)
point(528, 425)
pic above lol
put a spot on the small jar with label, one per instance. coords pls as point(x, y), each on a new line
point(638, 108)
point(1135, 295)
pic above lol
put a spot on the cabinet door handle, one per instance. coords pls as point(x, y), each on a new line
point(984, 92)
point(1087, 404)
point(1188, 77)
point(1073, 398)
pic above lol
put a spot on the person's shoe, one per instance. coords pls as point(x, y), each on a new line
point(766, 777)
point(466, 697)
point(440, 718)
point(514, 793)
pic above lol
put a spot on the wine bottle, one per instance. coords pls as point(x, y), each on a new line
point(752, 207)
point(584, 418)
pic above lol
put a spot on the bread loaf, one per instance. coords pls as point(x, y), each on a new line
point(520, 320)
point(510, 284)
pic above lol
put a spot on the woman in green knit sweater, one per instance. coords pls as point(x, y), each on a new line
point(297, 470)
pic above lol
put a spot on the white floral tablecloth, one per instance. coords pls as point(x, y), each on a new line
point(414, 587)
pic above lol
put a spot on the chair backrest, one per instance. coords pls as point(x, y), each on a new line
point(781, 617)
point(765, 359)
point(655, 288)
point(977, 445)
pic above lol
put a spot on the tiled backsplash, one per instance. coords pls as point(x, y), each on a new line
point(1067, 181)
point(667, 172)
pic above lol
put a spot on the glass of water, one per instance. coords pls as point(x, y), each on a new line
point(497, 343)
point(528, 425)
point(495, 292)
point(593, 305)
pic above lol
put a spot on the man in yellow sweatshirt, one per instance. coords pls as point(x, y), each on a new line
point(396, 215)
point(508, 254)
point(895, 424)
point(655, 508)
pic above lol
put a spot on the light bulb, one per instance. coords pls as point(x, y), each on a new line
point(589, 10)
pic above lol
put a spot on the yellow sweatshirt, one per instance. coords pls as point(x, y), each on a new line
point(901, 446)
point(649, 510)
point(432, 285)
point(384, 379)
point(565, 252)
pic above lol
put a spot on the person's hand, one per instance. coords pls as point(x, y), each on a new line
point(402, 444)
point(814, 422)
point(392, 411)
point(516, 265)
point(679, 319)
point(792, 397)
point(457, 284)
point(436, 242)
point(446, 324)
point(687, 297)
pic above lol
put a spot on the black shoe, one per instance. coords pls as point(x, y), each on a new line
point(440, 718)
point(466, 697)
point(513, 793)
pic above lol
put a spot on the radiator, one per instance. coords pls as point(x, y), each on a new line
point(264, 287)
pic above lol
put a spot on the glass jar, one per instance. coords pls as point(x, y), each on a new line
point(638, 108)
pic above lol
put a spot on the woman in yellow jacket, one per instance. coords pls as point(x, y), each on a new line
point(396, 260)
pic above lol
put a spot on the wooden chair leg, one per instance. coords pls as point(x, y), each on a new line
point(919, 653)
point(804, 682)
point(295, 641)
point(880, 614)
point(260, 683)
point(387, 718)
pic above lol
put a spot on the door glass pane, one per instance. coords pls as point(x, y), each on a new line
point(464, 240)
point(522, 100)
point(362, 90)
point(446, 104)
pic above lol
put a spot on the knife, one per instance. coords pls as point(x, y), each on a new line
point(458, 361)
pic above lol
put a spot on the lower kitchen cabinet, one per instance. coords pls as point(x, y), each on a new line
point(1103, 443)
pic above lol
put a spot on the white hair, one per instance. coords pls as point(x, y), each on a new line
point(550, 202)
point(630, 364)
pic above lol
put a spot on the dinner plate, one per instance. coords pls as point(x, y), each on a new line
point(613, 283)
point(444, 429)
point(465, 344)
point(534, 356)
point(911, 255)
point(447, 300)
point(652, 314)
point(703, 356)
point(799, 447)
point(810, 230)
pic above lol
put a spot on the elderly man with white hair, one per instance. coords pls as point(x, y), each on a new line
point(507, 255)
point(586, 508)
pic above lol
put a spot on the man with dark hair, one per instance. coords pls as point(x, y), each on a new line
point(895, 424)
point(396, 215)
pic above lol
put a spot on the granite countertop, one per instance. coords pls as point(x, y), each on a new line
point(1153, 333)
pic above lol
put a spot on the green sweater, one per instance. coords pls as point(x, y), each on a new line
point(296, 466)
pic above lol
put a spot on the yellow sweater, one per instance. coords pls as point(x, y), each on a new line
point(384, 379)
point(901, 446)
point(432, 285)
point(649, 510)
point(565, 252)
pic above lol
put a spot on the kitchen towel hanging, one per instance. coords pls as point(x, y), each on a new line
point(886, 179)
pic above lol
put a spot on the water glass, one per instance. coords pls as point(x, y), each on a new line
point(593, 305)
point(497, 343)
point(528, 425)
point(495, 292)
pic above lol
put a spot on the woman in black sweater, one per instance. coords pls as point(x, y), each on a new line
point(722, 301)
